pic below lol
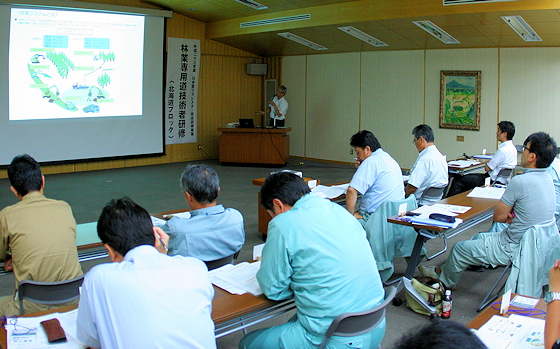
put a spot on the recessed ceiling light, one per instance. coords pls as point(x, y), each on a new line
point(252, 4)
point(302, 41)
point(363, 36)
point(437, 32)
point(522, 28)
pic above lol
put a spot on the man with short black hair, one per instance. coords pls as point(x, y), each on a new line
point(317, 253)
point(430, 168)
point(39, 233)
point(144, 299)
point(504, 158)
point(529, 200)
point(378, 176)
point(211, 232)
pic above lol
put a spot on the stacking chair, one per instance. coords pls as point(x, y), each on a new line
point(57, 292)
point(538, 249)
point(431, 195)
point(504, 176)
point(221, 262)
point(388, 240)
point(355, 324)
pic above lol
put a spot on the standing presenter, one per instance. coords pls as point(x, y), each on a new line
point(278, 106)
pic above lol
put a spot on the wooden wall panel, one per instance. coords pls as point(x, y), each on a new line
point(226, 93)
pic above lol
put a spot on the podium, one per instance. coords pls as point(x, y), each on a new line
point(267, 146)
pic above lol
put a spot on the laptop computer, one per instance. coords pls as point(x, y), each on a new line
point(246, 123)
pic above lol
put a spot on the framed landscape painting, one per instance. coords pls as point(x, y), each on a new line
point(460, 100)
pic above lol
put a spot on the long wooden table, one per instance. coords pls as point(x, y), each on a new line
point(483, 317)
point(230, 312)
point(268, 146)
point(481, 209)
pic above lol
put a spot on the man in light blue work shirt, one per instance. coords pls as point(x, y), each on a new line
point(554, 171)
point(317, 253)
point(378, 176)
point(211, 232)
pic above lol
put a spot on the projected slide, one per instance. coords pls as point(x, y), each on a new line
point(68, 64)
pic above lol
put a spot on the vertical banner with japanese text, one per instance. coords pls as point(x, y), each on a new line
point(181, 93)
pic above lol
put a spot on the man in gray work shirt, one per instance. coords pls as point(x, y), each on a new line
point(528, 200)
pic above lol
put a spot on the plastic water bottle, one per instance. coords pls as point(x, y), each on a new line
point(447, 304)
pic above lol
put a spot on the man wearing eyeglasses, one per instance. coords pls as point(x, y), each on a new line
point(430, 168)
point(528, 200)
point(277, 106)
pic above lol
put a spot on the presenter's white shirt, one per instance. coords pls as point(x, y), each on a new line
point(282, 105)
point(149, 300)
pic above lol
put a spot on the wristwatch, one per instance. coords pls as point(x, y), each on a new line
point(551, 296)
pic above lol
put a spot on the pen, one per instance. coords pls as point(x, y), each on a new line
point(163, 244)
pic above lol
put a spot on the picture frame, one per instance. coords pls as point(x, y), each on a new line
point(460, 99)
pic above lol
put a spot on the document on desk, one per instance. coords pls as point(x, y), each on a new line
point(483, 156)
point(237, 279)
point(186, 214)
point(450, 210)
point(487, 193)
point(331, 191)
point(27, 333)
point(513, 332)
point(462, 163)
point(157, 222)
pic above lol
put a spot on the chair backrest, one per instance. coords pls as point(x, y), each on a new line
point(504, 175)
point(221, 262)
point(57, 292)
point(355, 324)
point(519, 148)
point(431, 194)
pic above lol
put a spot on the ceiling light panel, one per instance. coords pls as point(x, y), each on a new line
point(363, 36)
point(252, 4)
point(302, 41)
point(522, 28)
point(275, 21)
point(437, 32)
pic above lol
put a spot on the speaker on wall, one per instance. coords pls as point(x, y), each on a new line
point(257, 68)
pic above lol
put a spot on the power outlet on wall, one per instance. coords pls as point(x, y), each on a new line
point(351, 151)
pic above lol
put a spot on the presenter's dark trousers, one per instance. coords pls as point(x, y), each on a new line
point(279, 123)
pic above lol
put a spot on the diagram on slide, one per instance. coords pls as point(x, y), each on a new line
point(72, 64)
point(83, 94)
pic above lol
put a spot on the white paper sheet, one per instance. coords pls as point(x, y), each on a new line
point(463, 163)
point(241, 276)
point(331, 191)
point(157, 222)
point(487, 193)
point(27, 333)
point(513, 332)
point(186, 214)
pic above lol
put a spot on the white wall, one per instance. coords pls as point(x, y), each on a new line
point(530, 90)
point(390, 92)
point(333, 105)
point(294, 78)
point(393, 100)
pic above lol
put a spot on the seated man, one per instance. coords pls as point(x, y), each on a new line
point(504, 157)
point(144, 299)
point(554, 171)
point(378, 176)
point(40, 234)
point(528, 200)
point(211, 232)
point(430, 168)
point(317, 253)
